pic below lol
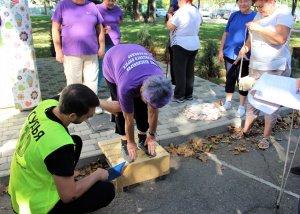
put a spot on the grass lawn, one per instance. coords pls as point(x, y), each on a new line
point(41, 28)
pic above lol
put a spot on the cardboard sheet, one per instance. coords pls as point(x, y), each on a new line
point(272, 91)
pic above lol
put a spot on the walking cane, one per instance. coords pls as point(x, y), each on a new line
point(167, 57)
point(285, 173)
point(242, 59)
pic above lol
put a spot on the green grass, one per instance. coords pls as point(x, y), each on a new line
point(41, 28)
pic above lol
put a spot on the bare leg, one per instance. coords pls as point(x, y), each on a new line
point(229, 97)
point(248, 123)
point(268, 128)
point(251, 116)
point(242, 100)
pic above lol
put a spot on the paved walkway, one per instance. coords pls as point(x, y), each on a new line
point(172, 124)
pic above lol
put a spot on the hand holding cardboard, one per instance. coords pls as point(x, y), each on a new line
point(116, 171)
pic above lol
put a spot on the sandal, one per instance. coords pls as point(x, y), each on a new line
point(239, 135)
point(264, 143)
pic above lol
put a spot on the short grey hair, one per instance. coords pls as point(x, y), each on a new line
point(157, 91)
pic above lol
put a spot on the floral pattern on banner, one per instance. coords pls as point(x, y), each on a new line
point(18, 72)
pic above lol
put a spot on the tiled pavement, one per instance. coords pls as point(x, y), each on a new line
point(171, 122)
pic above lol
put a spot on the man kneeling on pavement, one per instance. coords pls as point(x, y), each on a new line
point(42, 169)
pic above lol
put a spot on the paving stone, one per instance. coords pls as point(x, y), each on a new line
point(88, 148)
point(81, 128)
point(86, 132)
point(163, 131)
point(90, 142)
point(84, 137)
point(4, 166)
point(171, 124)
point(3, 160)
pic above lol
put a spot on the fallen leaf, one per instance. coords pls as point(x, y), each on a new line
point(139, 210)
point(3, 189)
point(203, 157)
point(235, 152)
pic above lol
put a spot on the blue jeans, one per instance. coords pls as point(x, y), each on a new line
point(100, 74)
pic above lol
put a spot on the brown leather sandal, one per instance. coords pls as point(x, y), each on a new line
point(239, 135)
point(264, 143)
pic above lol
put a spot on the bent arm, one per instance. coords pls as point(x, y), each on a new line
point(152, 119)
point(129, 127)
point(245, 49)
point(56, 29)
point(221, 49)
point(69, 190)
point(110, 106)
point(169, 25)
point(101, 40)
point(277, 37)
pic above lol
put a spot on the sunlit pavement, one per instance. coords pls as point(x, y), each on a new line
point(226, 183)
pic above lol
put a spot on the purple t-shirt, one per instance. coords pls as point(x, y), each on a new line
point(79, 35)
point(127, 66)
point(112, 17)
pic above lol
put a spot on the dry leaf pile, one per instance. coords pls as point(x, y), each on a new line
point(284, 123)
point(88, 169)
point(197, 147)
point(3, 189)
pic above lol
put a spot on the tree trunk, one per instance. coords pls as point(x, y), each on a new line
point(137, 10)
point(151, 16)
point(198, 3)
point(45, 7)
point(294, 6)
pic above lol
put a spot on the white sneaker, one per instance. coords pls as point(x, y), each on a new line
point(98, 110)
point(241, 111)
point(226, 106)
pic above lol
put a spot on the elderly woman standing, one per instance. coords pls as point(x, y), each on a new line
point(184, 28)
point(232, 41)
point(113, 16)
point(270, 53)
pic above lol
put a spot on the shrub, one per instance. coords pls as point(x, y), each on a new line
point(295, 66)
point(207, 63)
point(52, 49)
point(145, 39)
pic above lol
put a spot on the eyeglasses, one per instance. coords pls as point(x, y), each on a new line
point(259, 6)
point(244, 1)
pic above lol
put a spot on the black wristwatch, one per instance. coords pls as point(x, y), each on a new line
point(151, 134)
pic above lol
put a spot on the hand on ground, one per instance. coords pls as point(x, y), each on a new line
point(132, 148)
point(152, 144)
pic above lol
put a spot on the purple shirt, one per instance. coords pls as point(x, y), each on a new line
point(79, 22)
point(112, 17)
point(127, 66)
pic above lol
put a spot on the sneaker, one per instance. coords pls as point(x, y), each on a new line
point(241, 111)
point(295, 170)
point(180, 100)
point(227, 105)
point(124, 151)
point(189, 97)
point(98, 110)
point(142, 146)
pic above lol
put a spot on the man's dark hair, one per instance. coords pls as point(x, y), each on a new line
point(78, 99)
